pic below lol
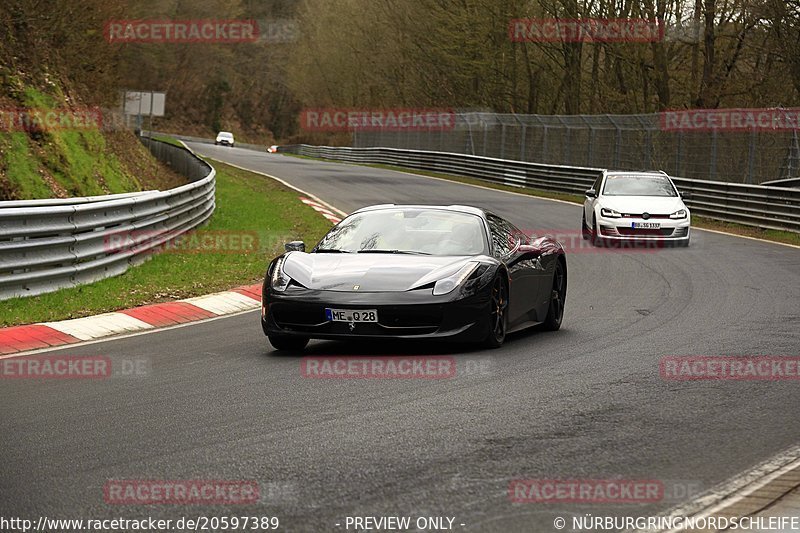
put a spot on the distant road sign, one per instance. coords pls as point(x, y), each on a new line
point(145, 103)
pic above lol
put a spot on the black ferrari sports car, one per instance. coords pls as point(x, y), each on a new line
point(417, 272)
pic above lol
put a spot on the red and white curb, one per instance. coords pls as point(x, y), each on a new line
point(47, 334)
point(324, 211)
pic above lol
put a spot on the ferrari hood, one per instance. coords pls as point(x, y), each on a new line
point(369, 272)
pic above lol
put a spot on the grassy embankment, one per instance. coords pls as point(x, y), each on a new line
point(73, 159)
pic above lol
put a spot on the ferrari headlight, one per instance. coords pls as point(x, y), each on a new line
point(448, 284)
point(279, 280)
point(610, 213)
point(678, 214)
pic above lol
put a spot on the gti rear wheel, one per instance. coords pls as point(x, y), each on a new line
point(558, 293)
point(288, 344)
point(498, 308)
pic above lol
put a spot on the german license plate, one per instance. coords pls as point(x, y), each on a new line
point(350, 315)
point(646, 225)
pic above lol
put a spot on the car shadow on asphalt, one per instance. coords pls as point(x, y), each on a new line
point(406, 347)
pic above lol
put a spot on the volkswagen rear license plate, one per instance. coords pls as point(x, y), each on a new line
point(646, 225)
point(350, 315)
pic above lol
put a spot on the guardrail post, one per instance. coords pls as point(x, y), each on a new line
point(751, 156)
point(712, 171)
point(544, 143)
point(590, 144)
point(617, 141)
point(503, 141)
point(471, 140)
point(485, 136)
point(568, 147)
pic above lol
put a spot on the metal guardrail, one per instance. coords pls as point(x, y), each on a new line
point(753, 205)
point(788, 182)
point(46, 245)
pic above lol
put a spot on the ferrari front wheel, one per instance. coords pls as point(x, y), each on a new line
point(498, 320)
point(287, 343)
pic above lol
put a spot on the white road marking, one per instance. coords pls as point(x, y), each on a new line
point(92, 327)
point(224, 303)
point(737, 488)
point(287, 184)
point(321, 209)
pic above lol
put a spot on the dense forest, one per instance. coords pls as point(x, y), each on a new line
point(402, 53)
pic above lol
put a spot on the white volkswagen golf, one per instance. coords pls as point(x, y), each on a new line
point(643, 207)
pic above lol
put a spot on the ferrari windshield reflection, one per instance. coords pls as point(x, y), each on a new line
point(408, 231)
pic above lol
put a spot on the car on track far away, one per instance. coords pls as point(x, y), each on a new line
point(224, 138)
point(415, 272)
point(273, 149)
point(638, 207)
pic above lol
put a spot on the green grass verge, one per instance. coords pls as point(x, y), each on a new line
point(786, 237)
point(20, 168)
point(246, 203)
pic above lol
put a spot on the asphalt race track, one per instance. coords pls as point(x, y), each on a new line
point(585, 402)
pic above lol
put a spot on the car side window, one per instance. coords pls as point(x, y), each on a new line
point(597, 184)
point(504, 235)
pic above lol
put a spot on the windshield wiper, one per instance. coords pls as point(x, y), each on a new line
point(410, 252)
point(331, 251)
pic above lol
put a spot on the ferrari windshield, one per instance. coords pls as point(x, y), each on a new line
point(638, 185)
point(410, 231)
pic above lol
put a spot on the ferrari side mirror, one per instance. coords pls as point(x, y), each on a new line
point(295, 246)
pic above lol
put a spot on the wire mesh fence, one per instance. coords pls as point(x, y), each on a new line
point(622, 142)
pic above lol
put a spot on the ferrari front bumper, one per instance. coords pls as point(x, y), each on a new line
point(406, 315)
